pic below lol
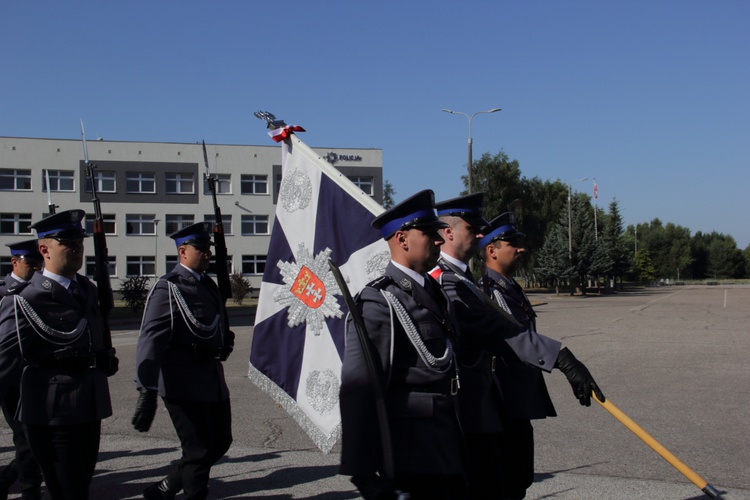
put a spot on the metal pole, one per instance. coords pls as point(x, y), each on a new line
point(471, 159)
point(156, 243)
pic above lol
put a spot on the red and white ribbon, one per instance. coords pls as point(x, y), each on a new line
point(282, 133)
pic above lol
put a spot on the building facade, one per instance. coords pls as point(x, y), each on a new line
point(148, 190)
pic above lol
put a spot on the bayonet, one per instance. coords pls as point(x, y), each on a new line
point(51, 205)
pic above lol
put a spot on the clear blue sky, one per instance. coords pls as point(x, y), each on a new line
point(652, 98)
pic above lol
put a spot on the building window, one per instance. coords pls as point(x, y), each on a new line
point(141, 266)
point(140, 182)
point(254, 224)
point(253, 264)
point(175, 222)
point(226, 221)
point(15, 180)
point(170, 262)
point(59, 180)
point(105, 182)
point(140, 224)
point(212, 266)
point(91, 266)
point(180, 183)
point(6, 266)
point(15, 223)
point(364, 183)
point(254, 184)
point(109, 223)
point(223, 184)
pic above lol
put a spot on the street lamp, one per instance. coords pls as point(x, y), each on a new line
point(493, 110)
point(570, 219)
point(156, 242)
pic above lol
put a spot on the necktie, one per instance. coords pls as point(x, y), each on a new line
point(77, 292)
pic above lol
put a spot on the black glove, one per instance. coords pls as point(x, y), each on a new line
point(579, 377)
point(224, 352)
point(107, 362)
point(145, 410)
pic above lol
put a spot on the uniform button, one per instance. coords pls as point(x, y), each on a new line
point(541, 362)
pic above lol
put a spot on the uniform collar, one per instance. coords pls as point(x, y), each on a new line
point(452, 260)
point(410, 273)
point(65, 282)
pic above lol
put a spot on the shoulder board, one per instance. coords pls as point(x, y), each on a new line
point(381, 283)
point(16, 287)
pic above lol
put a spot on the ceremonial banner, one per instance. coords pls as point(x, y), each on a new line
point(298, 339)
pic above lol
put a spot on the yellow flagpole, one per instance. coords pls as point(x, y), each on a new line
point(678, 464)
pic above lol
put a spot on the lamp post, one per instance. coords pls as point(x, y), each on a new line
point(570, 218)
point(156, 243)
point(469, 165)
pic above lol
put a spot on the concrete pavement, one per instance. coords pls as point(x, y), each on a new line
point(671, 358)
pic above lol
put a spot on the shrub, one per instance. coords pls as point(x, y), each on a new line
point(134, 292)
point(240, 287)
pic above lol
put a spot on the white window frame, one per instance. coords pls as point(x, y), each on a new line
point(226, 220)
point(254, 261)
point(103, 179)
point(252, 221)
point(91, 263)
point(19, 221)
point(18, 175)
point(56, 177)
point(364, 181)
point(180, 183)
point(143, 222)
point(223, 184)
point(142, 261)
point(250, 182)
point(178, 221)
point(140, 178)
point(110, 224)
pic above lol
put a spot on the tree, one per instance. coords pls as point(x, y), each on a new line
point(642, 267)
point(616, 245)
point(388, 193)
point(240, 287)
point(553, 264)
point(583, 239)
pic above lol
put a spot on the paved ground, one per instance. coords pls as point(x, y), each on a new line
point(673, 359)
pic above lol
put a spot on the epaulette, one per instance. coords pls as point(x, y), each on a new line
point(16, 287)
point(381, 283)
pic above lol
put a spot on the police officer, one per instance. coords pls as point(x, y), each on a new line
point(25, 259)
point(53, 330)
point(480, 399)
point(524, 391)
point(412, 336)
point(184, 338)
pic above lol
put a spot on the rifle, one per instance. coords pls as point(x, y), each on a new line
point(51, 205)
point(389, 470)
point(220, 243)
point(101, 268)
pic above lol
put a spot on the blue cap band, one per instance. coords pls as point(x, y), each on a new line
point(21, 251)
point(394, 225)
point(494, 234)
point(465, 211)
point(181, 241)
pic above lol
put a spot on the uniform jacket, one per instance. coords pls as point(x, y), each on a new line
point(523, 386)
point(178, 354)
point(480, 399)
point(47, 338)
point(422, 414)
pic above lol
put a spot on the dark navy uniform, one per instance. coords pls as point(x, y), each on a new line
point(412, 337)
point(56, 339)
point(520, 364)
point(184, 338)
point(23, 467)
